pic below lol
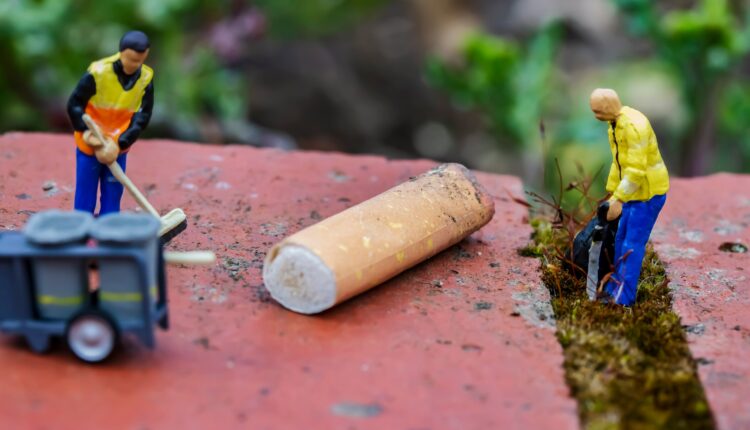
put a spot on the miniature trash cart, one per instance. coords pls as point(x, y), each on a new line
point(45, 277)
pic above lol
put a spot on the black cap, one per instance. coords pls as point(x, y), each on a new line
point(135, 40)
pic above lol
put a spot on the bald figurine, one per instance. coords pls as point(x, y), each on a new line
point(638, 182)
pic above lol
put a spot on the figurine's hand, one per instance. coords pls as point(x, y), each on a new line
point(108, 153)
point(615, 209)
point(91, 139)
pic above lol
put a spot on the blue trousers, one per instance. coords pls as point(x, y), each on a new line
point(637, 221)
point(90, 175)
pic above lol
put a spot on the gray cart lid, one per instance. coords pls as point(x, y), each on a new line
point(125, 228)
point(58, 228)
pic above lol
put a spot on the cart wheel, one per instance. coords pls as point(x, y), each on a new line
point(91, 336)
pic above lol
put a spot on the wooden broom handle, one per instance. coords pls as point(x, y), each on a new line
point(118, 173)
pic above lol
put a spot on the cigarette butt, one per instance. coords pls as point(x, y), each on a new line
point(367, 244)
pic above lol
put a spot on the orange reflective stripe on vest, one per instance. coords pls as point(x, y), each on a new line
point(112, 107)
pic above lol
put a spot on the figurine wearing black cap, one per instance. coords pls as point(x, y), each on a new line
point(117, 92)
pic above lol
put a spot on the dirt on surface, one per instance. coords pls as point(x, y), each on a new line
point(436, 347)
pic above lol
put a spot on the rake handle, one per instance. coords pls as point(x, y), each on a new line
point(118, 173)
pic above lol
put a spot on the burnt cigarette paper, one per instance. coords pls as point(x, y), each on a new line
point(367, 244)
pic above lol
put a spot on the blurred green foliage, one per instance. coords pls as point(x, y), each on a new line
point(700, 49)
point(703, 46)
point(506, 82)
point(515, 87)
point(48, 44)
point(292, 18)
point(735, 125)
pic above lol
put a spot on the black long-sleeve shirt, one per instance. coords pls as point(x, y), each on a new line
point(86, 89)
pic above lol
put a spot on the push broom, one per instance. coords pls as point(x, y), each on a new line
point(172, 224)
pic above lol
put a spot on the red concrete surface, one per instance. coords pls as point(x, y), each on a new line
point(711, 289)
point(464, 341)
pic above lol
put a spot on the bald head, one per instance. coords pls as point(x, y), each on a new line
point(605, 104)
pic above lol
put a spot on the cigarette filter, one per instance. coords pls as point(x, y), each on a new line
point(367, 244)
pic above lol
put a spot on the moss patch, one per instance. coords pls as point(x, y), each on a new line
point(629, 368)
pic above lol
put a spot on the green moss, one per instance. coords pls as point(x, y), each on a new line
point(629, 368)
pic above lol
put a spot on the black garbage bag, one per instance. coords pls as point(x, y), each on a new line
point(598, 237)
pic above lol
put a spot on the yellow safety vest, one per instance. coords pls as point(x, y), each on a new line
point(112, 107)
point(638, 172)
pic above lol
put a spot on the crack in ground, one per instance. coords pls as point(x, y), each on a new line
point(627, 367)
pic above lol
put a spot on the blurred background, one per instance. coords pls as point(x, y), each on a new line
point(501, 86)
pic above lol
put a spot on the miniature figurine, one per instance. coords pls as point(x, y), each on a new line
point(638, 181)
point(117, 92)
